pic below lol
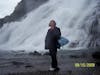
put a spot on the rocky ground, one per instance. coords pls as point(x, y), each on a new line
point(34, 63)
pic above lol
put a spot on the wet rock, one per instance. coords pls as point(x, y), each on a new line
point(74, 56)
point(17, 63)
point(35, 53)
point(96, 55)
point(28, 66)
point(46, 53)
point(20, 51)
point(74, 44)
point(83, 55)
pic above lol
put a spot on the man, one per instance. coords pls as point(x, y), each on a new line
point(51, 43)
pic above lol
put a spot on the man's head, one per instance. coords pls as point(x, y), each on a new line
point(52, 24)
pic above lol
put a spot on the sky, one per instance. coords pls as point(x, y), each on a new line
point(7, 7)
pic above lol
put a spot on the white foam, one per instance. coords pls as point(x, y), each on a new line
point(29, 34)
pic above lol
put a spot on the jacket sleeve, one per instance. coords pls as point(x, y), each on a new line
point(46, 41)
point(58, 37)
point(58, 33)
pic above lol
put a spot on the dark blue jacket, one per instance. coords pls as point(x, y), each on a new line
point(51, 40)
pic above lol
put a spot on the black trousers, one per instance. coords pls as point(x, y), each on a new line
point(53, 55)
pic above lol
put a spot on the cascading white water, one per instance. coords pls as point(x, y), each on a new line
point(29, 34)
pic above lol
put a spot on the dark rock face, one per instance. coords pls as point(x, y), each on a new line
point(21, 10)
point(92, 27)
point(94, 30)
point(1, 22)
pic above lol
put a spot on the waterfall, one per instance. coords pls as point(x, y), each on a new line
point(29, 33)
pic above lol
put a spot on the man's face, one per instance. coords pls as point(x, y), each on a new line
point(52, 24)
